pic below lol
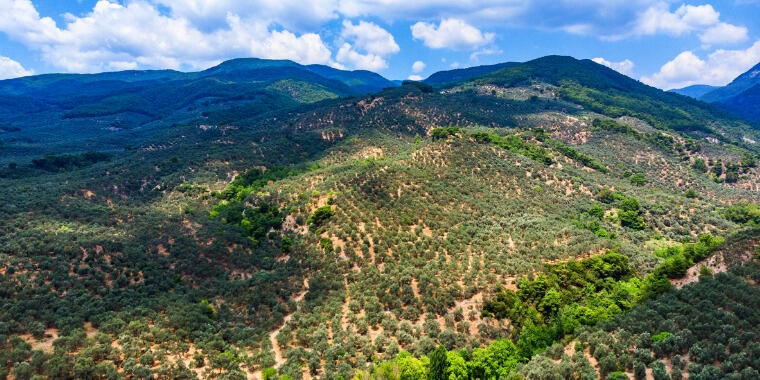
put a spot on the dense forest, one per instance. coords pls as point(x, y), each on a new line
point(546, 220)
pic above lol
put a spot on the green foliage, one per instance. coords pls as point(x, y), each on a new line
point(743, 213)
point(569, 295)
point(661, 336)
point(699, 165)
point(439, 364)
point(607, 196)
point(495, 361)
point(320, 215)
point(55, 163)
point(568, 151)
point(630, 214)
point(679, 258)
point(516, 144)
point(125, 245)
point(424, 87)
point(638, 179)
point(613, 126)
point(443, 133)
point(326, 245)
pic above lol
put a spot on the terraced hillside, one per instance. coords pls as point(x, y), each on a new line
point(359, 234)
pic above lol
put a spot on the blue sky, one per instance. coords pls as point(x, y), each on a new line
point(663, 43)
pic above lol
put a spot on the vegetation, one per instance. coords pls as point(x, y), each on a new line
point(65, 162)
point(252, 235)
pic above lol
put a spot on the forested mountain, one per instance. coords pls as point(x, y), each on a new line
point(458, 75)
point(694, 91)
point(740, 97)
point(742, 83)
point(746, 104)
point(523, 223)
point(111, 111)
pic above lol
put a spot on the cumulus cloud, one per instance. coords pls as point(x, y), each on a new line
point(12, 69)
point(348, 55)
point(114, 36)
point(600, 18)
point(418, 66)
point(450, 33)
point(370, 37)
point(659, 19)
point(415, 77)
point(366, 46)
point(723, 33)
point(686, 19)
point(624, 67)
point(719, 68)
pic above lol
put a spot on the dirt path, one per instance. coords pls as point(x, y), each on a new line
point(278, 358)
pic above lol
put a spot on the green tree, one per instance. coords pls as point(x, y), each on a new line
point(699, 165)
point(439, 364)
point(320, 215)
point(457, 366)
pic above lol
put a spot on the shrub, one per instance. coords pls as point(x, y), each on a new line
point(444, 132)
point(638, 179)
point(743, 213)
point(606, 196)
point(320, 215)
point(699, 165)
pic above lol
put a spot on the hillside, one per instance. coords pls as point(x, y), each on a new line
point(459, 75)
point(741, 83)
point(694, 91)
point(359, 233)
point(113, 111)
point(745, 104)
point(740, 97)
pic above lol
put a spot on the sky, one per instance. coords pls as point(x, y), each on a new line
point(666, 44)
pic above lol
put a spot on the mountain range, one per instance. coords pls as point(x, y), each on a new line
point(269, 220)
point(739, 97)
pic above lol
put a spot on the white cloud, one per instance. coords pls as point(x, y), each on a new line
point(114, 36)
point(719, 68)
point(348, 55)
point(723, 33)
point(659, 19)
point(365, 46)
point(450, 33)
point(12, 69)
point(418, 66)
point(475, 56)
point(624, 67)
point(370, 37)
point(686, 19)
point(415, 77)
point(607, 19)
point(299, 15)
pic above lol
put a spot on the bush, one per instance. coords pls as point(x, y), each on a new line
point(743, 213)
point(606, 196)
point(443, 132)
point(699, 165)
point(320, 215)
point(638, 179)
